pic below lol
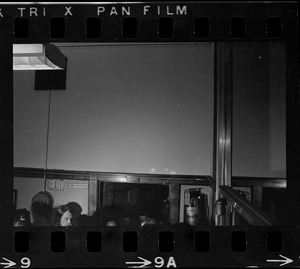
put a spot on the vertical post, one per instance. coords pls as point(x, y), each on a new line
point(233, 216)
point(92, 200)
point(6, 135)
point(108, 193)
point(292, 118)
point(174, 203)
point(223, 116)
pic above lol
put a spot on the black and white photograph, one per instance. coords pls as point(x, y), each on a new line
point(129, 120)
point(105, 148)
point(167, 126)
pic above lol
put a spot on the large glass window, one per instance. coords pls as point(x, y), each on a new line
point(259, 110)
point(130, 108)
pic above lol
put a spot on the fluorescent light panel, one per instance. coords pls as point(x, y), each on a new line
point(37, 57)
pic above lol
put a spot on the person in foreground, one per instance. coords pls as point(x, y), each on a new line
point(65, 213)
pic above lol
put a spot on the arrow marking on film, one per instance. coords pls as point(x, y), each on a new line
point(143, 263)
point(285, 261)
point(8, 263)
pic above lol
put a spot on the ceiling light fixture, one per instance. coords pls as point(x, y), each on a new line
point(37, 57)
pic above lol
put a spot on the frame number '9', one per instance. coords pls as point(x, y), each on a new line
point(25, 262)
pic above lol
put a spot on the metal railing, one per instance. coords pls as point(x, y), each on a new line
point(238, 204)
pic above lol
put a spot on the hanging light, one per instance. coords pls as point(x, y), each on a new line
point(43, 201)
point(37, 57)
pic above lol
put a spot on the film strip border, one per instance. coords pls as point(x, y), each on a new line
point(130, 241)
point(177, 246)
point(153, 22)
point(197, 22)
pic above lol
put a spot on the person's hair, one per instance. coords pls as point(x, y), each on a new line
point(97, 217)
point(40, 209)
point(60, 211)
point(147, 210)
point(108, 214)
point(114, 213)
point(22, 218)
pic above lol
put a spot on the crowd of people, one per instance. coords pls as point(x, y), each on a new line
point(70, 214)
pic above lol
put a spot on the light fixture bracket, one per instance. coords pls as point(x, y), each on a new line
point(37, 57)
